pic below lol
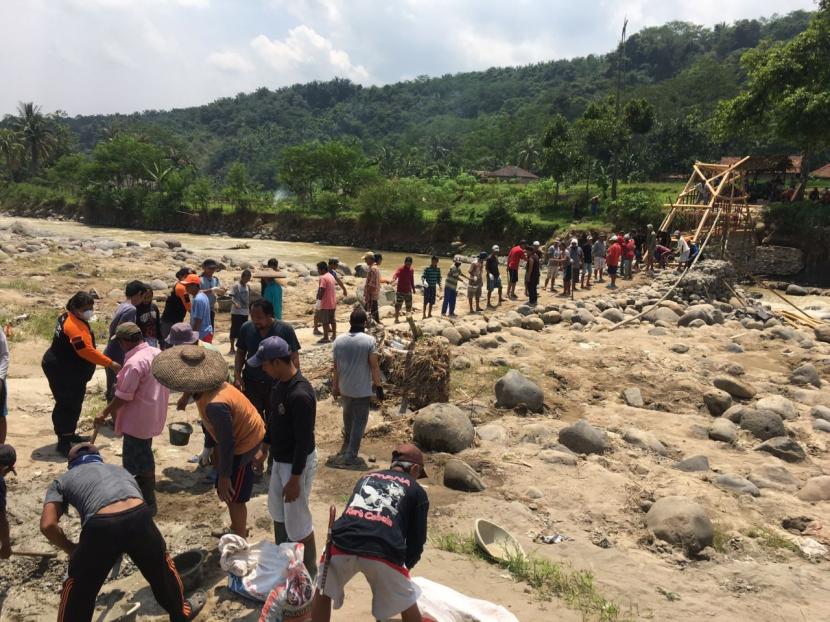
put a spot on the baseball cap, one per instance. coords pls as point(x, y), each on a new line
point(457, 259)
point(407, 452)
point(537, 244)
point(613, 238)
point(574, 241)
point(496, 247)
point(482, 255)
point(191, 279)
point(269, 350)
point(182, 334)
point(128, 331)
point(8, 456)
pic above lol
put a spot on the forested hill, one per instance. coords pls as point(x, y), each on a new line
point(470, 120)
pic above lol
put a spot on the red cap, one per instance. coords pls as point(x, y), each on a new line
point(191, 279)
point(406, 452)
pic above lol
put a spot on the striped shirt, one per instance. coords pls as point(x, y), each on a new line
point(451, 282)
point(432, 276)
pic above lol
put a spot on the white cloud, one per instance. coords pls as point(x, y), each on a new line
point(232, 62)
point(304, 52)
point(94, 5)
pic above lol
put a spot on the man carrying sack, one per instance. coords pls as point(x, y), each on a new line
point(114, 521)
point(229, 418)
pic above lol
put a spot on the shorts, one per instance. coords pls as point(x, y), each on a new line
point(242, 479)
point(513, 275)
point(401, 298)
point(553, 270)
point(612, 270)
point(599, 263)
point(296, 515)
point(207, 339)
point(237, 320)
point(684, 257)
point(326, 316)
point(493, 283)
point(392, 589)
point(429, 295)
point(473, 291)
point(568, 272)
point(137, 455)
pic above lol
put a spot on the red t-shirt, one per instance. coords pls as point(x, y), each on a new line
point(630, 249)
point(406, 280)
point(515, 257)
point(329, 287)
point(613, 256)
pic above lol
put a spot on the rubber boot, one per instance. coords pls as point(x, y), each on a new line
point(310, 555)
point(147, 485)
point(280, 534)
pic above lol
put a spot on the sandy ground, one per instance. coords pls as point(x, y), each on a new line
point(599, 499)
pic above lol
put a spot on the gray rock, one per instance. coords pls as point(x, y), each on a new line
point(534, 493)
point(734, 347)
point(784, 448)
point(662, 314)
point(816, 489)
point(778, 404)
point(736, 484)
point(157, 285)
point(774, 477)
point(551, 317)
point(158, 244)
point(735, 369)
point(723, 430)
point(488, 343)
point(493, 327)
point(820, 412)
point(785, 333)
point(644, 440)
point(658, 331)
point(692, 464)
point(582, 316)
point(452, 335)
point(823, 333)
point(584, 438)
point(537, 433)
point(795, 290)
point(805, 374)
point(717, 402)
point(614, 315)
point(633, 397)
point(492, 433)
point(705, 312)
point(736, 412)
point(735, 388)
point(442, 427)
point(697, 323)
point(533, 322)
point(679, 348)
point(763, 424)
point(361, 270)
point(552, 456)
point(682, 522)
point(513, 389)
point(822, 425)
point(459, 475)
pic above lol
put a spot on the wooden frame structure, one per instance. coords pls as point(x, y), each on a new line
point(715, 189)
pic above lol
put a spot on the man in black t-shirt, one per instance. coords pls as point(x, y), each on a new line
point(493, 276)
point(380, 534)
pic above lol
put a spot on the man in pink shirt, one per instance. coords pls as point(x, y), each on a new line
point(139, 408)
point(327, 297)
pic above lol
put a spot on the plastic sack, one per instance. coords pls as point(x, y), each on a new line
point(237, 558)
point(290, 601)
point(438, 603)
point(271, 568)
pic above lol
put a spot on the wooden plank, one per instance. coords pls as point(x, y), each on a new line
point(700, 226)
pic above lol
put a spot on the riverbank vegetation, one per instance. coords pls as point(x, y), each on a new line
point(410, 155)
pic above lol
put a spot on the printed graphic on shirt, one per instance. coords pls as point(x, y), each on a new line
point(378, 499)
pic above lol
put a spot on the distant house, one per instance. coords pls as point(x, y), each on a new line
point(822, 172)
point(508, 173)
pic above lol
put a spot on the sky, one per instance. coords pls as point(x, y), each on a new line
point(105, 56)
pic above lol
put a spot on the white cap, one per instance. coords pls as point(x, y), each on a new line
point(677, 232)
point(613, 238)
point(626, 237)
point(496, 247)
point(574, 241)
point(537, 243)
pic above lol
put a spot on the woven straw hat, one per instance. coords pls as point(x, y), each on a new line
point(268, 273)
point(190, 368)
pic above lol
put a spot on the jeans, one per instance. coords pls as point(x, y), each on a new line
point(626, 269)
point(355, 417)
point(69, 393)
point(448, 305)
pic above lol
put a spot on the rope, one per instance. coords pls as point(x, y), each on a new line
point(676, 283)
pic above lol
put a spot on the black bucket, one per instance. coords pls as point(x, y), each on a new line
point(190, 566)
point(180, 433)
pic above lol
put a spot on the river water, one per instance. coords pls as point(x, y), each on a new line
point(305, 252)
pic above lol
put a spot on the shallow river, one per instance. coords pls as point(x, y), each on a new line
point(305, 252)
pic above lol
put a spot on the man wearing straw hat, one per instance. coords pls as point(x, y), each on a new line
point(271, 282)
point(289, 438)
point(139, 408)
point(229, 418)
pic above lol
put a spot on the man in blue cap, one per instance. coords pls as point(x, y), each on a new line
point(289, 436)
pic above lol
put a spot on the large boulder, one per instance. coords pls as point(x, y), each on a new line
point(551, 317)
point(513, 389)
point(583, 438)
point(816, 489)
point(773, 477)
point(614, 315)
point(763, 424)
point(736, 412)
point(795, 290)
point(820, 412)
point(582, 316)
point(682, 522)
point(158, 244)
point(805, 374)
point(459, 475)
point(705, 312)
point(784, 448)
point(717, 402)
point(822, 333)
point(735, 387)
point(442, 427)
point(723, 430)
point(452, 335)
point(736, 484)
point(661, 314)
point(533, 322)
point(778, 404)
point(644, 440)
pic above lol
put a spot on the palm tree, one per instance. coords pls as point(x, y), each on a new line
point(11, 150)
point(529, 154)
point(37, 133)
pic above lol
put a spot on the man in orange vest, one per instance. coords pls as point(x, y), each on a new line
point(230, 420)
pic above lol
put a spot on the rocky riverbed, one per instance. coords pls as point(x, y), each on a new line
point(682, 456)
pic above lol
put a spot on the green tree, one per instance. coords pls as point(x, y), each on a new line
point(239, 187)
point(557, 152)
point(787, 92)
point(37, 133)
point(199, 193)
point(12, 151)
point(528, 154)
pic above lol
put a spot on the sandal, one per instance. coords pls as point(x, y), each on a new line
point(197, 601)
